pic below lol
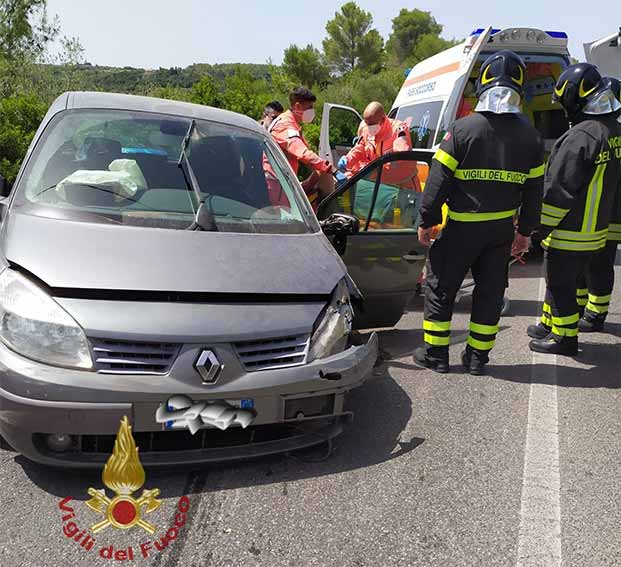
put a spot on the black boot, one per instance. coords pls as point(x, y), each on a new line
point(433, 358)
point(592, 322)
point(538, 331)
point(474, 362)
point(567, 346)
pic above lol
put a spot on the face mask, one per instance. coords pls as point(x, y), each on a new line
point(374, 129)
point(308, 115)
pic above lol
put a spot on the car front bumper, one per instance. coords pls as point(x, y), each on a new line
point(37, 400)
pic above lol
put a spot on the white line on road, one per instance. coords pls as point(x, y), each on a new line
point(540, 515)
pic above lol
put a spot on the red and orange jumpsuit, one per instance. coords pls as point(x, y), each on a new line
point(393, 136)
point(287, 133)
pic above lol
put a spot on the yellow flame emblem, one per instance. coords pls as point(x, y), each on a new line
point(124, 475)
point(560, 91)
point(484, 78)
point(519, 81)
point(582, 92)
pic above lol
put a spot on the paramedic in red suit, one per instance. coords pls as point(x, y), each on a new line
point(286, 130)
point(379, 135)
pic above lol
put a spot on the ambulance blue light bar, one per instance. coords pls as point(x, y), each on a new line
point(557, 34)
point(554, 34)
point(479, 31)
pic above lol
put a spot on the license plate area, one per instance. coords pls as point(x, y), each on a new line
point(180, 413)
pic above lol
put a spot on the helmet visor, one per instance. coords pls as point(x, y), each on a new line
point(602, 103)
point(500, 100)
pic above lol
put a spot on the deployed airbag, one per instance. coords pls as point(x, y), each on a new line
point(124, 178)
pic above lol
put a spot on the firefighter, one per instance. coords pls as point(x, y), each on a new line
point(286, 130)
point(378, 135)
point(580, 189)
point(489, 166)
point(595, 286)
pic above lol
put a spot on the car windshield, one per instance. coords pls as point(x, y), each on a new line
point(121, 167)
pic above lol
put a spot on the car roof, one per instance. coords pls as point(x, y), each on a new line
point(99, 100)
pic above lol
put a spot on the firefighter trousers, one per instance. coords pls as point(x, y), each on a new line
point(563, 271)
point(596, 283)
point(484, 248)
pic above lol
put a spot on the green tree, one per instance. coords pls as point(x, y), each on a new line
point(427, 46)
point(352, 43)
point(206, 92)
point(244, 94)
point(25, 28)
point(305, 65)
point(20, 117)
point(173, 93)
point(357, 89)
point(407, 30)
point(72, 51)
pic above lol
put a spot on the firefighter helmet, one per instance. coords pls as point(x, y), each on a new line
point(502, 69)
point(577, 86)
point(615, 86)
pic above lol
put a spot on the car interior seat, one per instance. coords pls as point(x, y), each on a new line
point(216, 164)
point(99, 154)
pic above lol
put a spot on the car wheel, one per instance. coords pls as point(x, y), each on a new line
point(4, 445)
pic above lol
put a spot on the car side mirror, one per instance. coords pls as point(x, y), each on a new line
point(339, 223)
point(340, 226)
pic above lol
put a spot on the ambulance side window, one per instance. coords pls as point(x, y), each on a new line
point(422, 120)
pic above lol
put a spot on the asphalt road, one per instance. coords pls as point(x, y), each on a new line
point(518, 468)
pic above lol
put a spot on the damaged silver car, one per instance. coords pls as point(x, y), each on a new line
point(160, 260)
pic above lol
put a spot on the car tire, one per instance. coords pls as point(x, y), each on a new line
point(4, 445)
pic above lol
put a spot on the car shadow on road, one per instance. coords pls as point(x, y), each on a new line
point(382, 411)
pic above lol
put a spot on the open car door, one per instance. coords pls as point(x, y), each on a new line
point(385, 258)
point(339, 128)
point(465, 70)
point(606, 54)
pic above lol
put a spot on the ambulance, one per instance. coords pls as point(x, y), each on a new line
point(441, 89)
point(436, 92)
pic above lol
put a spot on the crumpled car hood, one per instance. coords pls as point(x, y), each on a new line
point(80, 255)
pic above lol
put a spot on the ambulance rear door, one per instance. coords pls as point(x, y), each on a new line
point(606, 54)
point(465, 70)
point(339, 129)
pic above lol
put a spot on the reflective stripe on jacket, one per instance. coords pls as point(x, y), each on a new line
point(487, 167)
point(581, 186)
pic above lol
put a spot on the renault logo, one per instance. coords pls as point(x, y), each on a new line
point(208, 366)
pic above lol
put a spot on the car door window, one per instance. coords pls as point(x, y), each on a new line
point(398, 197)
point(385, 196)
point(356, 200)
point(343, 133)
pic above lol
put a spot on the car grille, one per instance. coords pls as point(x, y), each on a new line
point(121, 357)
point(172, 441)
point(273, 353)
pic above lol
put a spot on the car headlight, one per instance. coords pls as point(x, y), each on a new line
point(35, 326)
point(335, 324)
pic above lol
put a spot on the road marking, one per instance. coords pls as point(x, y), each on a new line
point(540, 515)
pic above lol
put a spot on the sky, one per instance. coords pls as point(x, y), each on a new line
point(164, 33)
